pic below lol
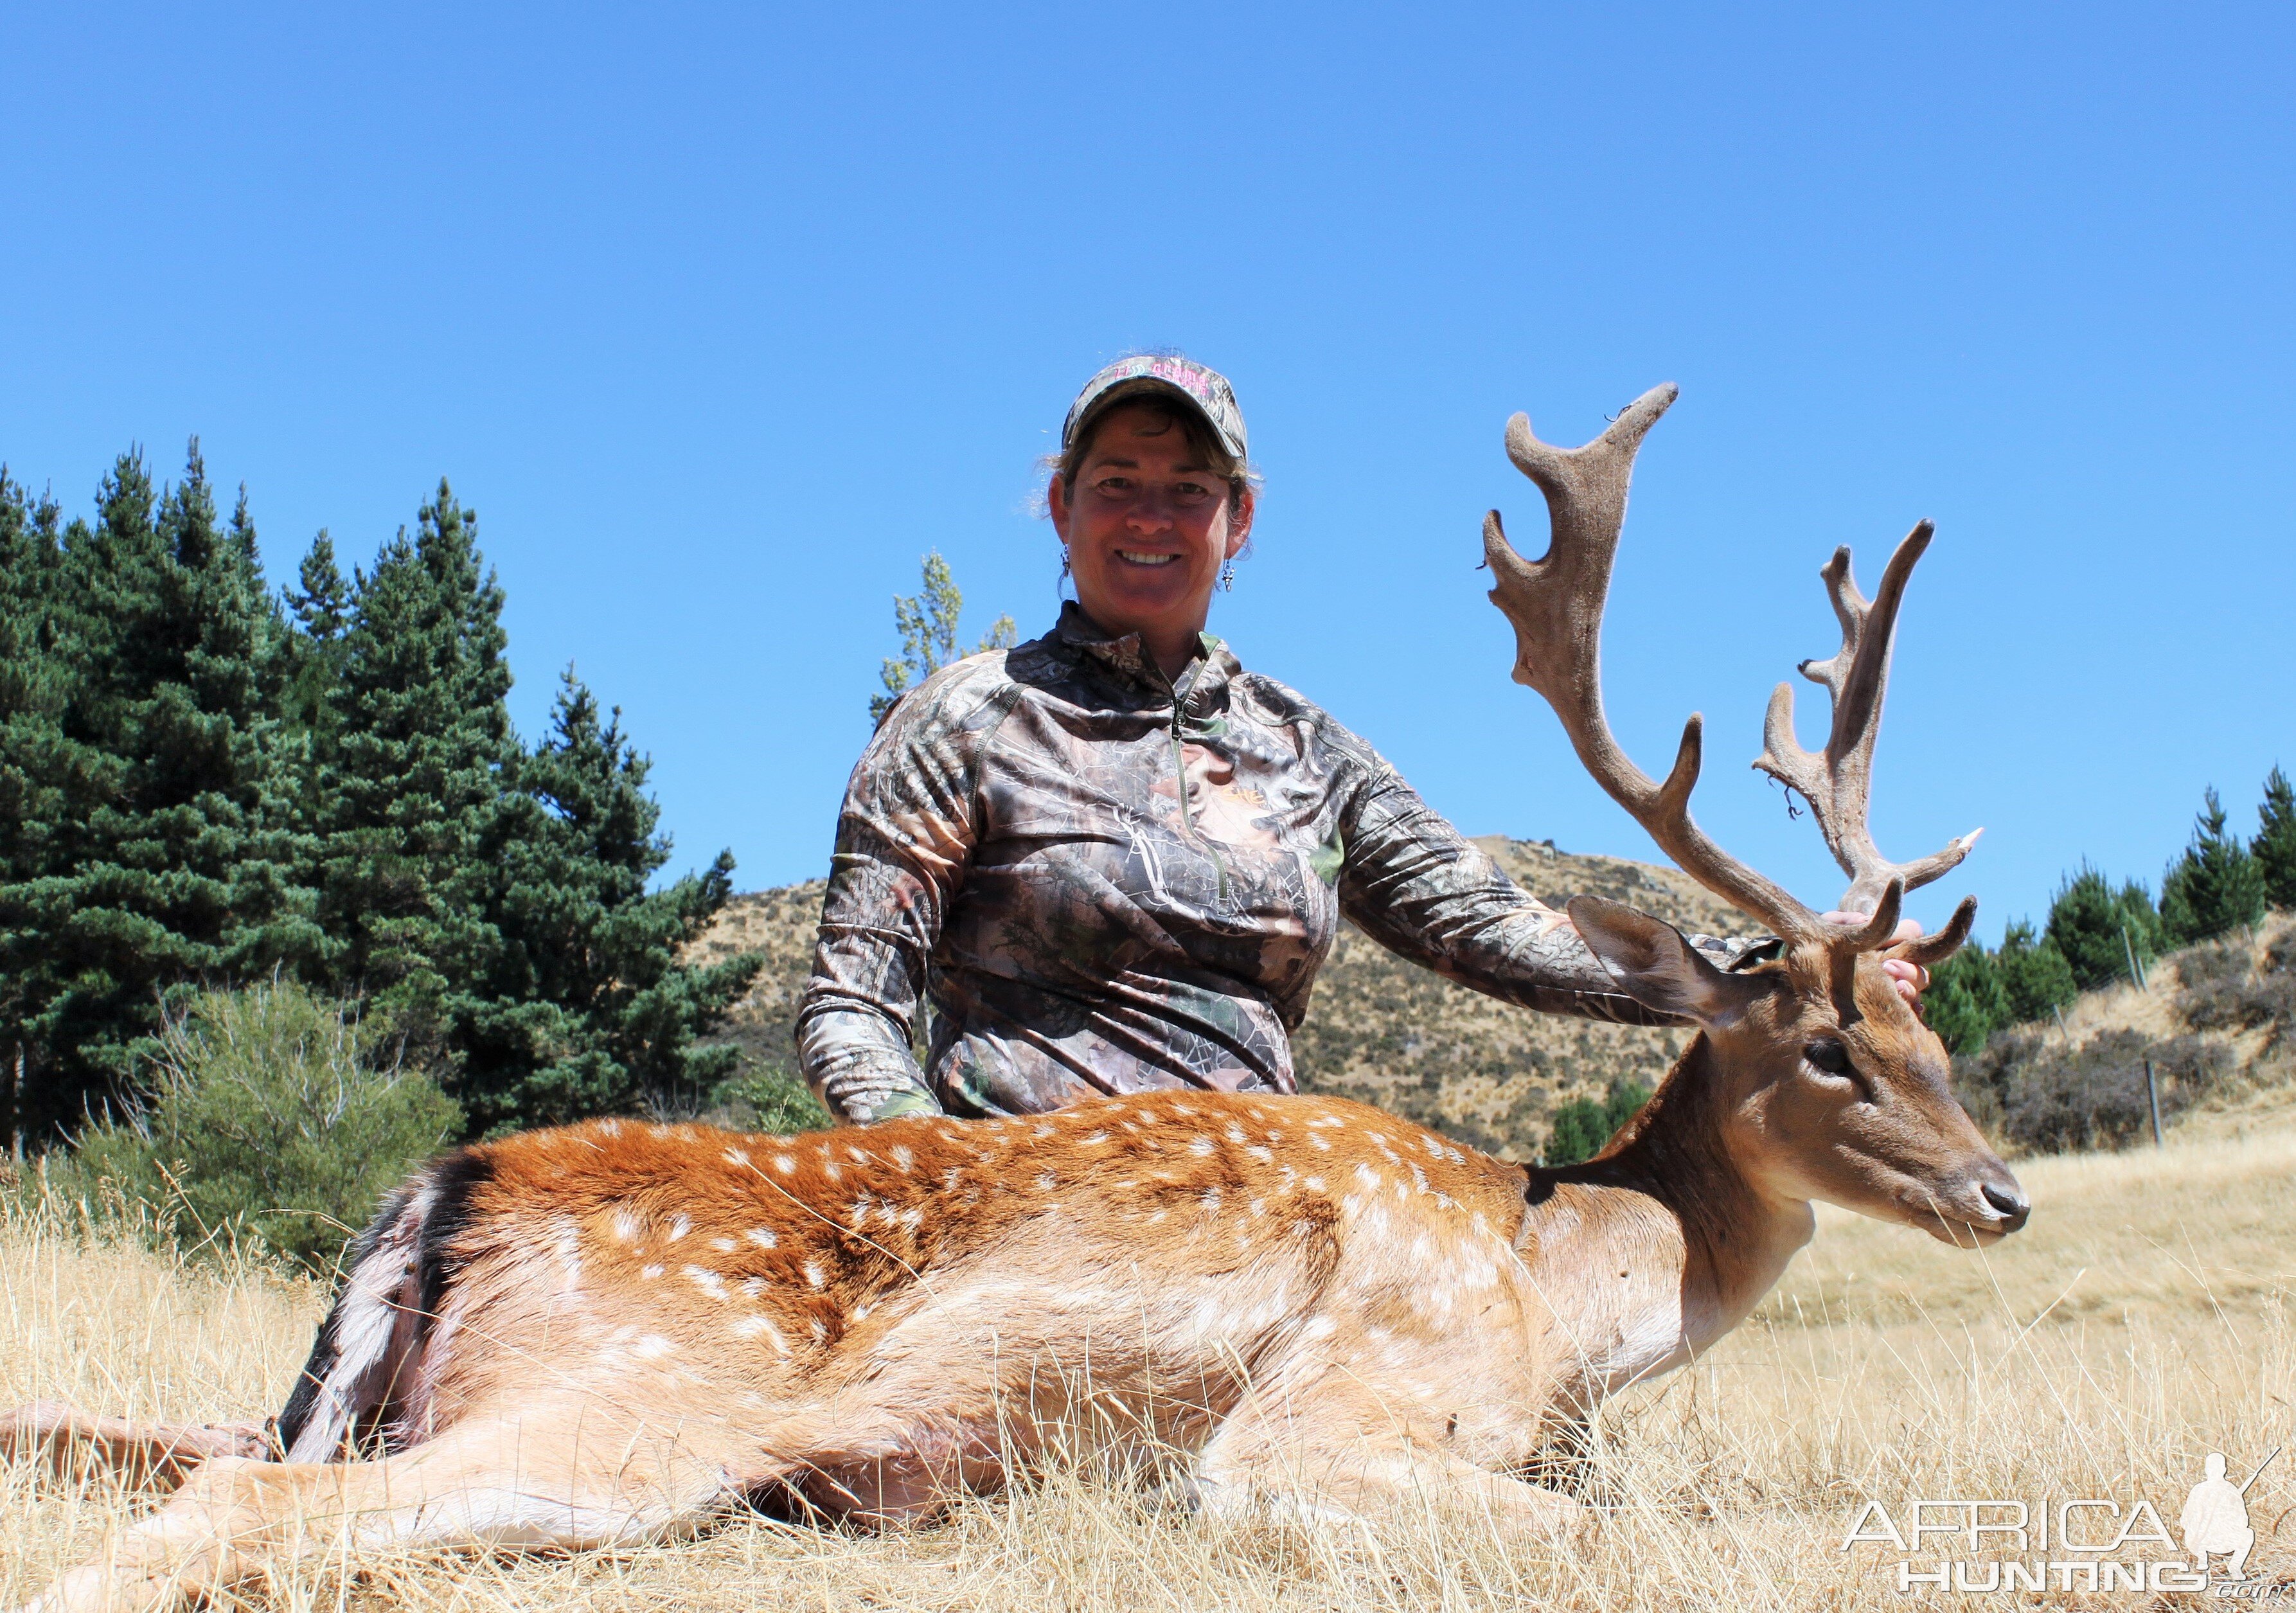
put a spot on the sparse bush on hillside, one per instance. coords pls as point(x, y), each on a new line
point(277, 1119)
point(2225, 987)
point(2051, 1097)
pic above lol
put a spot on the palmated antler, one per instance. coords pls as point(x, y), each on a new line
point(1839, 781)
point(1556, 606)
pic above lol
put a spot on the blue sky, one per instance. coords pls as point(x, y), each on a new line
point(721, 318)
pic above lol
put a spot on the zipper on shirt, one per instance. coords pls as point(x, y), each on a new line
point(1187, 810)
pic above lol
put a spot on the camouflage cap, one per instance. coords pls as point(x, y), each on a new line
point(1202, 388)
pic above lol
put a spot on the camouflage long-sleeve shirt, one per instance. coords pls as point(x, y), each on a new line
point(1109, 881)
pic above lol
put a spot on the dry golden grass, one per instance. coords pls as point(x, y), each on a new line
point(2143, 1319)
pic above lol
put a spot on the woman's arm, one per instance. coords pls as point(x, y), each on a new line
point(1421, 889)
point(905, 836)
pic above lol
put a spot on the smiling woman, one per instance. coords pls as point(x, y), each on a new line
point(1111, 859)
point(1153, 500)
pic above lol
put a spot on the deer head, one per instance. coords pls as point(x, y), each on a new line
point(1828, 1085)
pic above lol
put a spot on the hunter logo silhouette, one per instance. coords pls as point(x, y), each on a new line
point(2214, 1520)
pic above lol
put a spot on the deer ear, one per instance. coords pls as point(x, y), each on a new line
point(1656, 967)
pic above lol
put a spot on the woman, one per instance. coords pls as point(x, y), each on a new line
point(1114, 858)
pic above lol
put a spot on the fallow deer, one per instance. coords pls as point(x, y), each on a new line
point(615, 1331)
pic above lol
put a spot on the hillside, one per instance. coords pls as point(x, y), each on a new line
point(2216, 1023)
point(1379, 1028)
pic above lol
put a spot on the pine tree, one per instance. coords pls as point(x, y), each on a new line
point(163, 859)
point(2035, 978)
point(1966, 1001)
point(584, 1009)
point(926, 621)
point(2275, 846)
point(36, 680)
point(2098, 930)
point(413, 775)
point(2216, 886)
point(322, 611)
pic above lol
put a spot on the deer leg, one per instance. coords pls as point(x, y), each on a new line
point(145, 1455)
point(529, 1481)
point(1338, 1450)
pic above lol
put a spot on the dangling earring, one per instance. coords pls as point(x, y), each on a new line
point(1227, 578)
point(1064, 564)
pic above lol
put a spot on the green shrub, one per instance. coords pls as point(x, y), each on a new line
point(766, 1097)
point(274, 1119)
point(1582, 1125)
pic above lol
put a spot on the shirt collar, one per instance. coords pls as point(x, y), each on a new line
point(1129, 660)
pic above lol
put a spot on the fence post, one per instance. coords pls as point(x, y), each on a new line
point(2152, 1097)
point(2135, 969)
point(16, 1109)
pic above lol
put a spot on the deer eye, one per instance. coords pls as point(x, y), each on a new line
point(1829, 1055)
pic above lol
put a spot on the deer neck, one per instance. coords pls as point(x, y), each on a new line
point(1656, 1248)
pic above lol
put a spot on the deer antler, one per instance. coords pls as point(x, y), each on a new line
point(1556, 606)
point(1837, 782)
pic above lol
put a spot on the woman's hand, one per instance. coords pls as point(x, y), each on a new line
point(1911, 980)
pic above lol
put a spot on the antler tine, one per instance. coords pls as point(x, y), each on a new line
point(1839, 783)
point(1556, 604)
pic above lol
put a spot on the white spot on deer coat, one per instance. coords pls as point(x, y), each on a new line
point(762, 1236)
point(650, 1273)
point(679, 1226)
point(814, 1275)
point(654, 1347)
point(708, 1282)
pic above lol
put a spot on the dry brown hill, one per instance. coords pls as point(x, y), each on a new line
point(1379, 1029)
point(2215, 1024)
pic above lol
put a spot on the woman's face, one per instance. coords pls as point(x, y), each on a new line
point(1148, 527)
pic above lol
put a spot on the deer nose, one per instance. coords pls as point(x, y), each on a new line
point(2010, 1203)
